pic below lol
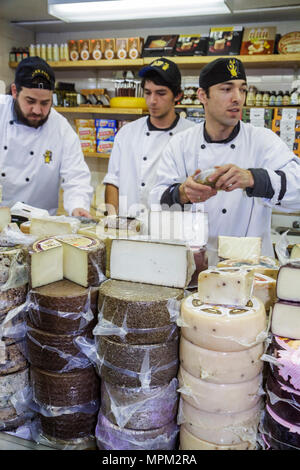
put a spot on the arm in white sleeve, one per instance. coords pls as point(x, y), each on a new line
point(75, 174)
point(113, 172)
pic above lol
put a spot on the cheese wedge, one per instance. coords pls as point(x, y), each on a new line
point(190, 442)
point(239, 247)
point(295, 253)
point(46, 262)
point(288, 282)
point(286, 319)
point(228, 286)
point(47, 226)
point(264, 265)
point(5, 217)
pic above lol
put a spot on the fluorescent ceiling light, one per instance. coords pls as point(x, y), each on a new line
point(115, 10)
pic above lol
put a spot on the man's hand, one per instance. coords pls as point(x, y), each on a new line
point(190, 191)
point(79, 212)
point(229, 177)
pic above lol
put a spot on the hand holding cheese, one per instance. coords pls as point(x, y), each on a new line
point(191, 191)
point(229, 177)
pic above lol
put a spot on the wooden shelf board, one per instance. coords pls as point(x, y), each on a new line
point(99, 110)
point(96, 155)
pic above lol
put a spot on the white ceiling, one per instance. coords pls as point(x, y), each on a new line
point(35, 11)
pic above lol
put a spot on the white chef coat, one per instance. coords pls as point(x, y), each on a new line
point(133, 162)
point(35, 162)
point(233, 213)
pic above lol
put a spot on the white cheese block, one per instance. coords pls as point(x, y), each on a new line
point(286, 320)
point(264, 265)
point(264, 288)
point(219, 398)
point(220, 428)
point(295, 253)
point(46, 259)
point(288, 282)
point(227, 286)
point(239, 247)
point(221, 367)
point(48, 226)
point(222, 328)
point(190, 442)
point(5, 217)
point(83, 259)
point(149, 262)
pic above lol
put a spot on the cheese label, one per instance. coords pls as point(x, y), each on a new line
point(195, 304)
point(45, 244)
point(292, 343)
point(82, 242)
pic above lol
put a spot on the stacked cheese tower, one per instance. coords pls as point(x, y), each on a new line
point(280, 424)
point(137, 340)
point(223, 329)
point(62, 307)
point(14, 369)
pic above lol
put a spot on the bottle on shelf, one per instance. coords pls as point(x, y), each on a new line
point(279, 98)
point(286, 100)
point(49, 53)
point(19, 54)
point(32, 52)
point(259, 98)
point(266, 97)
point(55, 56)
point(294, 97)
point(43, 52)
point(38, 50)
point(250, 100)
point(66, 51)
point(12, 55)
point(272, 98)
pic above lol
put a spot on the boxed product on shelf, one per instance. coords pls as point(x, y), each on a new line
point(84, 122)
point(84, 49)
point(279, 111)
point(109, 46)
point(88, 145)
point(225, 40)
point(105, 123)
point(106, 134)
point(135, 47)
point(289, 43)
point(160, 45)
point(122, 48)
point(103, 146)
point(260, 40)
point(266, 115)
point(73, 50)
point(195, 44)
point(96, 49)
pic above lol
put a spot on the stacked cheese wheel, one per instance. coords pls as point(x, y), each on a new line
point(280, 425)
point(137, 343)
point(223, 329)
point(14, 368)
point(65, 385)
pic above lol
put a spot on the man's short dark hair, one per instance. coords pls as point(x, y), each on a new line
point(158, 80)
point(35, 81)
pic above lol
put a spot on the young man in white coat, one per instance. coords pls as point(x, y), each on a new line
point(138, 145)
point(254, 171)
point(39, 149)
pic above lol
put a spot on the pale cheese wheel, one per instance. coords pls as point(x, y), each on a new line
point(206, 426)
point(264, 288)
point(190, 442)
point(219, 366)
point(222, 328)
point(219, 398)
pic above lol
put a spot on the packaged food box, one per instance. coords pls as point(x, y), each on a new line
point(84, 123)
point(84, 49)
point(156, 46)
point(289, 43)
point(88, 145)
point(191, 45)
point(109, 47)
point(135, 47)
point(86, 132)
point(106, 134)
point(104, 147)
point(122, 48)
point(105, 122)
point(225, 40)
point(259, 40)
point(96, 49)
point(73, 50)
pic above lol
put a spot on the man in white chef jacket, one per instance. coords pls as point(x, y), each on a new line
point(254, 171)
point(138, 145)
point(39, 149)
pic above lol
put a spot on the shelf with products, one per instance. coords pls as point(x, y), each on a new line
point(269, 60)
point(99, 110)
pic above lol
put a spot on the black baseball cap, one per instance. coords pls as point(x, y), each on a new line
point(221, 70)
point(167, 70)
point(31, 68)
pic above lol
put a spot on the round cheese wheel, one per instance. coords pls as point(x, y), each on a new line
point(222, 328)
point(286, 352)
point(11, 298)
point(284, 403)
point(112, 437)
point(69, 426)
point(84, 443)
point(190, 442)
point(219, 398)
point(280, 429)
point(13, 360)
point(220, 428)
point(221, 367)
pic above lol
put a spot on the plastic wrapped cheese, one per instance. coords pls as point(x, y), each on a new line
point(264, 288)
point(263, 265)
point(222, 328)
point(221, 367)
point(284, 356)
point(286, 319)
point(219, 398)
point(239, 247)
point(284, 401)
point(281, 430)
point(227, 286)
point(288, 282)
point(190, 442)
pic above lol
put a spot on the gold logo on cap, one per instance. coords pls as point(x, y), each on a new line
point(47, 156)
point(161, 63)
point(232, 67)
point(40, 72)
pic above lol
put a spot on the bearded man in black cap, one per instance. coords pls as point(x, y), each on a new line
point(39, 149)
point(251, 170)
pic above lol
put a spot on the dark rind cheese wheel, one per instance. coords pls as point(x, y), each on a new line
point(56, 352)
point(10, 420)
point(12, 298)
point(112, 437)
point(285, 344)
point(139, 305)
point(64, 390)
point(137, 408)
point(134, 365)
point(69, 426)
point(280, 434)
point(14, 359)
point(50, 305)
point(284, 404)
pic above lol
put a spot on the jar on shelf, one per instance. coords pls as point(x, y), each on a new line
point(272, 98)
point(279, 98)
point(12, 55)
point(286, 100)
point(266, 97)
point(259, 98)
point(250, 100)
